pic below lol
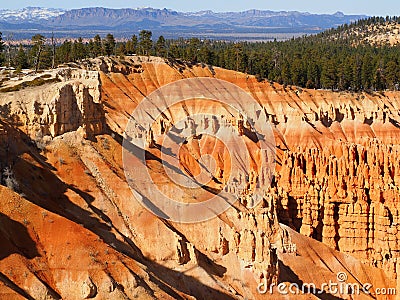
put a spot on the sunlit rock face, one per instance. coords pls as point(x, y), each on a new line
point(73, 228)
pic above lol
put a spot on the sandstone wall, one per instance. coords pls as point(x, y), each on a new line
point(53, 109)
point(347, 201)
point(336, 180)
point(337, 173)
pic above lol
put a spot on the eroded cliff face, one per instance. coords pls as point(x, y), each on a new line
point(347, 201)
point(337, 173)
point(73, 103)
point(86, 236)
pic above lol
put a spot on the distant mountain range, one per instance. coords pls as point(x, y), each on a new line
point(85, 22)
point(29, 14)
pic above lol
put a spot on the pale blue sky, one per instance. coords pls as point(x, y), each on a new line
point(382, 7)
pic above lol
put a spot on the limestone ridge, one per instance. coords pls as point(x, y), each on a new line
point(72, 104)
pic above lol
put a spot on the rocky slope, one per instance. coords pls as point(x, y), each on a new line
point(73, 230)
point(377, 34)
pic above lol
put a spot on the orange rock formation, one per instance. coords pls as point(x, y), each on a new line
point(72, 228)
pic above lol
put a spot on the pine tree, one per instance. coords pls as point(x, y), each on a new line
point(328, 74)
point(38, 43)
point(392, 71)
point(366, 72)
point(80, 50)
point(161, 48)
point(90, 48)
point(134, 41)
point(239, 56)
point(378, 79)
point(193, 49)
point(53, 51)
point(121, 49)
point(312, 75)
point(73, 52)
point(46, 57)
point(145, 42)
point(21, 61)
point(298, 73)
point(285, 74)
point(63, 52)
point(109, 44)
point(97, 48)
point(174, 51)
point(356, 81)
point(205, 55)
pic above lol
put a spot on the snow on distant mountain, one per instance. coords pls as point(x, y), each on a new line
point(29, 14)
point(250, 24)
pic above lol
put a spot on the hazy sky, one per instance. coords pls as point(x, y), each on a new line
point(382, 7)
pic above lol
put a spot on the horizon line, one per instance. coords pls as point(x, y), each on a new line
point(194, 11)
